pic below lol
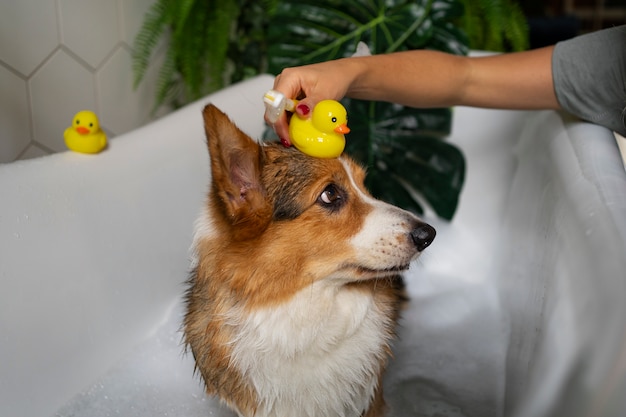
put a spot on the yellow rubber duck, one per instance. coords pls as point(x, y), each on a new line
point(85, 134)
point(321, 135)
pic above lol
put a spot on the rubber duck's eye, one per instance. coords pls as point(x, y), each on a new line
point(90, 124)
point(331, 197)
point(334, 120)
point(77, 121)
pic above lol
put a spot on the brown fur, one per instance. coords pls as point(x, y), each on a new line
point(264, 206)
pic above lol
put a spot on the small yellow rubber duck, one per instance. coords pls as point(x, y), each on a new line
point(85, 134)
point(321, 135)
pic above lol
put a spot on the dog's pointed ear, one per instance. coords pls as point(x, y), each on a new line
point(236, 162)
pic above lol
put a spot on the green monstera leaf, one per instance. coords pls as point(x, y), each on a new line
point(409, 162)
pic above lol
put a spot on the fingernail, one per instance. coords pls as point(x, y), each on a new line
point(285, 142)
point(303, 109)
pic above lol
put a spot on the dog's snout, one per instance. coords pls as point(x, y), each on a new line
point(423, 235)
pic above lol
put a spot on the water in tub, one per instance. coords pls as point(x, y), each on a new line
point(448, 360)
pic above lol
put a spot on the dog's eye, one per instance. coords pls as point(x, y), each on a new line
point(330, 195)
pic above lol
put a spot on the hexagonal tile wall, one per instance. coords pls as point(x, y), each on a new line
point(28, 33)
point(59, 57)
point(123, 107)
point(89, 29)
point(14, 119)
point(60, 88)
point(132, 13)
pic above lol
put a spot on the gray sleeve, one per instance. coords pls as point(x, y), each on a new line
point(589, 75)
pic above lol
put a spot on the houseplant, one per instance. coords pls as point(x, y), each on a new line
point(409, 162)
point(494, 25)
point(211, 43)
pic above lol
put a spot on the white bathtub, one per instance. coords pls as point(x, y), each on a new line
point(518, 308)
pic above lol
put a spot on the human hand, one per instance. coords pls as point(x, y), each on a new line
point(310, 84)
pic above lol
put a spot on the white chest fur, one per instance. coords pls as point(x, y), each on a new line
point(317, 355)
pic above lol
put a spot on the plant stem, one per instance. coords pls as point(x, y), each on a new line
point(411, 28)
point(339, 41)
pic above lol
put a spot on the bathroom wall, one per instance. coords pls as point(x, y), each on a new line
point(58, 57)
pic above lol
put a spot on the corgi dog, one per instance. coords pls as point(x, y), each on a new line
point(294, 291)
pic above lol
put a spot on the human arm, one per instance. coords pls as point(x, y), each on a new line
point(426, 78)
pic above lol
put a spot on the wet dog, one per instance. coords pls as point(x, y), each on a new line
point(295, 290)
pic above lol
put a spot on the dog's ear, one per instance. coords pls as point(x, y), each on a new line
point(236, 162)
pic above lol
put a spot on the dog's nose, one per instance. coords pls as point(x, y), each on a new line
point(423, 235)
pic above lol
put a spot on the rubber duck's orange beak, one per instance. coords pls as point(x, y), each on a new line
point(82, 130)
point(342, 129)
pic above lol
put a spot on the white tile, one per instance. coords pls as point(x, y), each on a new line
point(34, 151)
point(28, 33)
point(133, 13)
point(61, 88)
point(15, 129)
point(122, 108)
point(90, 28)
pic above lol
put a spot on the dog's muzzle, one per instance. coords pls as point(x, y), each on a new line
point(423, 235)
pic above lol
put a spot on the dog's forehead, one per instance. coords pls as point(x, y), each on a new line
point(293, 179)
point(290, 166)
